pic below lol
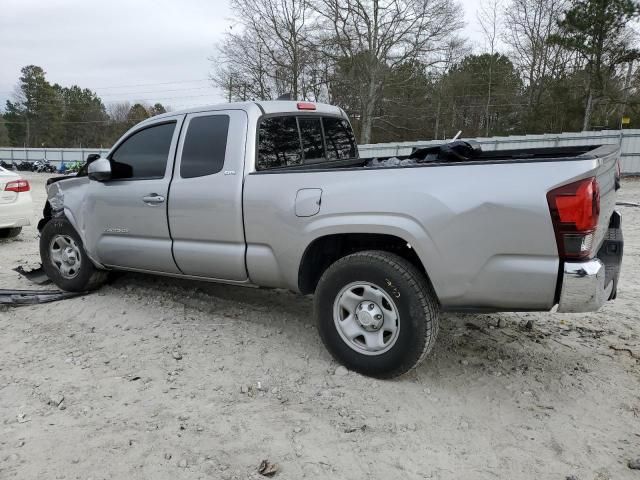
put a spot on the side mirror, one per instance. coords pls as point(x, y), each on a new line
point(100, 170)
point(92, 157)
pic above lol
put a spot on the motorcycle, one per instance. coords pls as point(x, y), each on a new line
point(24, 166)
point(43, 166)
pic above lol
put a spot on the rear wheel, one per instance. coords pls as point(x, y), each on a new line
point(65, 260)
point(10, 232)
point(376, 313)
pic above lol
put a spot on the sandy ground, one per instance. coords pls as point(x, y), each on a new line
point(169, 379)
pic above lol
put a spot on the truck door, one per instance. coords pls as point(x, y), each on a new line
point(126, 219)
point(205, 198)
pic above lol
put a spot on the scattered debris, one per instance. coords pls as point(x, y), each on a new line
point(267, 468)
point(625, 349)
point(362, 428)
point(30, 297)
point(177, 355)
point(261, 388)
point(478, 328)
point(341, 371)
point(35, 275)
point(634, 464)
point(628, 204)
point(55, 400)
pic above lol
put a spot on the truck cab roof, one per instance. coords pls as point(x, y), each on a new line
point(260, 108)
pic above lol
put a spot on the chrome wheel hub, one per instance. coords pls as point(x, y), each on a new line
point(369, 316)
point(366, 318)
point(65, 255)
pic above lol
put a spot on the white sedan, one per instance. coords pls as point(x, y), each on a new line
point(15, 203)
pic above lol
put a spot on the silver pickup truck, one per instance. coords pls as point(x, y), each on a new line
point(274, 194)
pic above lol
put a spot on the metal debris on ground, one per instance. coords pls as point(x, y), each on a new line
point(628, 204)
point(35, 275)
point(16, 298)
point(267, 468)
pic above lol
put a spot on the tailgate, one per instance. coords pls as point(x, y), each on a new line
point(608, 177)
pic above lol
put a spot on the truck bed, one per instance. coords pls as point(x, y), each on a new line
point(483, 232)
point(523, 155)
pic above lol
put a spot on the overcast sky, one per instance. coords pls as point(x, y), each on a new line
point(150, 50)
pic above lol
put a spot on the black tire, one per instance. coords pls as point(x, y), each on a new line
point(88, 277)
point(414, 300)
point(10, 232)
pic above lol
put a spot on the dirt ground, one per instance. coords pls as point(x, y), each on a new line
point(168, 379)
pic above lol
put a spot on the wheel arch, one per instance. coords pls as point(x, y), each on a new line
point(324, 250)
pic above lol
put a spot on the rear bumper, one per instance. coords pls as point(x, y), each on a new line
point(18, 213)
point(587, 285)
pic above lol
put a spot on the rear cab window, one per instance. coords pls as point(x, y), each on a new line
point(341, 143)
point(298, 140)
point(278, 143)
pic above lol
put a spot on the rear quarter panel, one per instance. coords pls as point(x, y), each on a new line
point(483, 232)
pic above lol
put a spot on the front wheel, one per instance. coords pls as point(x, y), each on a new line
point(376, 313)
point(64, 259)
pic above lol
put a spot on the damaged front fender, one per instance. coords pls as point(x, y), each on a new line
point(66, 197)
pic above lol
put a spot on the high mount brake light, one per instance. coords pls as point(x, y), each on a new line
point(306, 106)
point(575, 209)
point(17, 186)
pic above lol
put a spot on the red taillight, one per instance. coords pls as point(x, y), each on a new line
point(575, 209)
point(306, 106)
point(17, 186)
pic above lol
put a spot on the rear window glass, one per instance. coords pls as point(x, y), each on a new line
point(204, 146)
point(311, 136)
point(278, 143)
point(339, 138)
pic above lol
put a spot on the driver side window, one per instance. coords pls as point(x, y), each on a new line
point(144, 154)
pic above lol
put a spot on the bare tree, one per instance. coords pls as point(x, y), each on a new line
point(118, 111)
point(370, 38)
point(269, 54)
point(529, 24)
point(490, 21)
point(242, 68)
point(456, 49)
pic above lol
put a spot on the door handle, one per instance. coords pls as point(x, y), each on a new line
point(153, 199)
